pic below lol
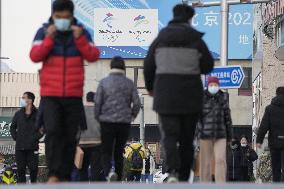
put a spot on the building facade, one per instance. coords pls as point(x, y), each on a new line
point(13, 85)
point(268, 65)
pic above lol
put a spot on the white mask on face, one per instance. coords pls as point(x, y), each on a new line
point(23, 103)
point(244, 145)
point(62, 24)
point(213, 89)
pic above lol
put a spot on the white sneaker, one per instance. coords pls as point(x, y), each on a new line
point(172, 179)
point(112, 177)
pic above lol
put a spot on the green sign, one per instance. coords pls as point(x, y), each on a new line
point(5, 123)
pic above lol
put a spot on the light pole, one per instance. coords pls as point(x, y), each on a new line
point(0, 41)
point(224, 33)
point(142, 122)
point(0, 31)
point(142, 119)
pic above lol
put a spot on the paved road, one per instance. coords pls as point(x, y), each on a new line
point(149, 186)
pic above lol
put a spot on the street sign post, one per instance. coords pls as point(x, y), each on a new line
point(231, 77)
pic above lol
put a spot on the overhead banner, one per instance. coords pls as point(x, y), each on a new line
point(112, 23)
point(240, 36)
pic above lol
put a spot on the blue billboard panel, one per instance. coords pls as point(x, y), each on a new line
point(206, 20)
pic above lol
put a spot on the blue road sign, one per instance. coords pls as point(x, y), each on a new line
point(230, 76)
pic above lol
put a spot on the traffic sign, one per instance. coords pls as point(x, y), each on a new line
point(230, 77)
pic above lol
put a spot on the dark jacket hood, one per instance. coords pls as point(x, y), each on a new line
point(194, 34)
point(279, 99)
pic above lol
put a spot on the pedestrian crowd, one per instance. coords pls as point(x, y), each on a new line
point(89, 142)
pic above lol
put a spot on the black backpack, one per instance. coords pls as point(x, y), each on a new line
point(136, 158)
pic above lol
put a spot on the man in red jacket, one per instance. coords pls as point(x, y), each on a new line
point(62, 45)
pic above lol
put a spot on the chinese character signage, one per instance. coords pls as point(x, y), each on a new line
point(230, 77)
point(208, 20)
point(126, 28)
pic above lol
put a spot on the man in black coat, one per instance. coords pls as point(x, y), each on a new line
point(26, 135)
point(172, 71)
point(273, 122)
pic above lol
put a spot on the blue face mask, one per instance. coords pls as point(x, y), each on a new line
point(23, 103)
point(62, 24)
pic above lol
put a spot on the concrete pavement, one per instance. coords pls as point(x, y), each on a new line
point(147, 186)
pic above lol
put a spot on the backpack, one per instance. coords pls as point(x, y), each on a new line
point(136, 159)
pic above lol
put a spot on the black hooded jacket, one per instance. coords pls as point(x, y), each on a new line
point(173, 66)
point(273, 122)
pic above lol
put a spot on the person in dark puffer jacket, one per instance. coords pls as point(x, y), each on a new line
point(273, 122)
point(172, 69)
point(215, 131)
point(62, 45)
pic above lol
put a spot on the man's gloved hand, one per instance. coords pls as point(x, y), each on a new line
point(77, 31)
point(51, 30)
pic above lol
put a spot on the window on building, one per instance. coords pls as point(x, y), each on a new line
point(246, 88)
point(279, 34)
point(282, 32)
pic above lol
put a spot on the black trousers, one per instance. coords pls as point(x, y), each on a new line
point(134, 176)
point(244, 174)
point(177, 140)
point(114, 138)
point(92, 159)
point(277, 160)
point(61, 118)
point(24, 159)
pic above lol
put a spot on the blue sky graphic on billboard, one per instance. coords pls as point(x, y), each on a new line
point(207, 20)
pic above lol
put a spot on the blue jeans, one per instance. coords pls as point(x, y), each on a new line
point(147, 177)
point(75, 175)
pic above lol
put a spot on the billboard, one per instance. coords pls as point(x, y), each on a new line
point(125, 27)
point(207, 20)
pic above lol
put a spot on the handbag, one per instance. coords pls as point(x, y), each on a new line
point(79, 156)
